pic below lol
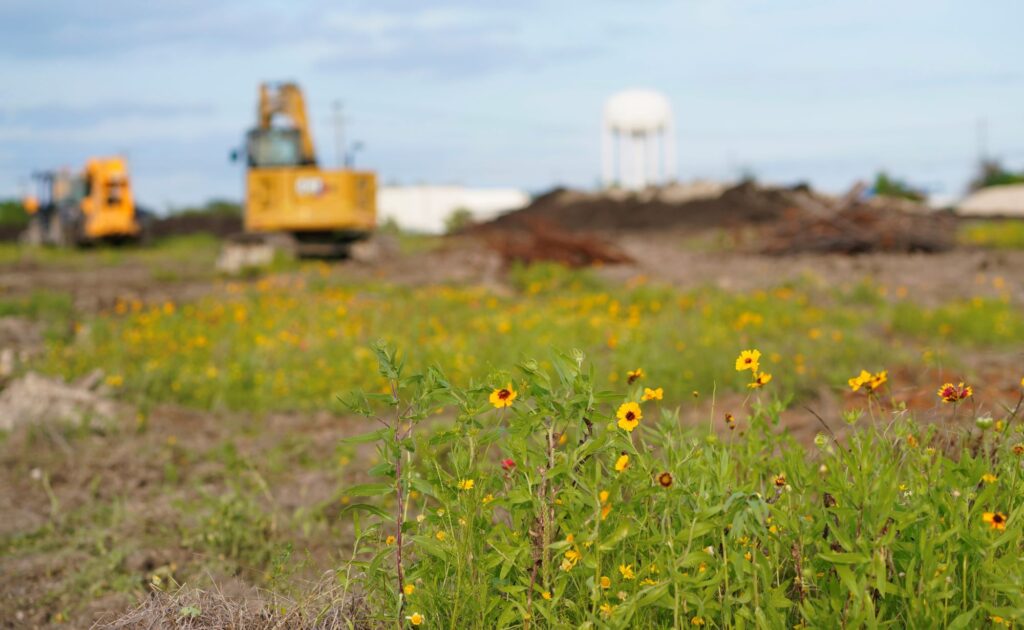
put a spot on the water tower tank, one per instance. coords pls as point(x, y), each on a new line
point(638, 140)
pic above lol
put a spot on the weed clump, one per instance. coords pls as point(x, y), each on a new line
point(546, 501)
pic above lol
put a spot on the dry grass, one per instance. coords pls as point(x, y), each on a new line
point(326, 607)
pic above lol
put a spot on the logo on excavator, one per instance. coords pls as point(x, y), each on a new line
point(309, 187)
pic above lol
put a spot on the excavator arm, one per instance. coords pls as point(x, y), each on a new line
point(286, 99)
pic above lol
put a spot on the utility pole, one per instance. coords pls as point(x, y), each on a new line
point(339, 135)
point(981, 134)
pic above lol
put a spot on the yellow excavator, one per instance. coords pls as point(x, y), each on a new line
point(79, 208)
point(291, 203)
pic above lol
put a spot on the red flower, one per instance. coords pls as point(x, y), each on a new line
point(508, 464)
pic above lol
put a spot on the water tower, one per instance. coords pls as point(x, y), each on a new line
point(638, 142)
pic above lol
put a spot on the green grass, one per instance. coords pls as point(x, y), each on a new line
point(1001, 234)
point(195, 249)
point(293, 341)
point(54, 310)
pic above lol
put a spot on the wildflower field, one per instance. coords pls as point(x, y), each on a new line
point(565, 450)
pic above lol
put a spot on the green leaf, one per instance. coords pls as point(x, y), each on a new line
point(963, 620)
point(843, 558)
point(368, 489)
point(366, 507)
point(372, 436)
point(849, 581)
point(383, 469)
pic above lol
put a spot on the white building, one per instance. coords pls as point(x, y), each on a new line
point(1001, 201)
point(638, 140)
point(426, 208)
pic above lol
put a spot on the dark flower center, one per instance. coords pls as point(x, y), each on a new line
point(630, 415)
point(503, 394)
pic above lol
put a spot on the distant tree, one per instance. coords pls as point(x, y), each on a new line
point(458, 220)
point(887, 186)
point(12, 213)
point(214, 207)
point(992, 173)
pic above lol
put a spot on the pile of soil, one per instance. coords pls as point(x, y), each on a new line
point(615, 210)
point(544, 241)
point(788, 220)
point(860, 229)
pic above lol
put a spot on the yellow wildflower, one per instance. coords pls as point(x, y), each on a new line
point(860, 380)
point(627, 571)
point(634, 375)
point(571, 558)
point(760, 380)
point(466, 484)
point(748, 360)
point(503, 397)
point(606, 582)
point(416, 618)
point(996, 519)
point(653, 394)
point(629, 416)
point(879, 379)
point(408, 589)
point(622, 463)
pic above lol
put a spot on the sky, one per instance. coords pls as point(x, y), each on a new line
point(485, 93)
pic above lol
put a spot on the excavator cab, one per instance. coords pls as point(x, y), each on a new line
point(268, 148)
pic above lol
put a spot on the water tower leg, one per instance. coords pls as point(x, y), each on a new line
point(607, 157)
point(670, 153)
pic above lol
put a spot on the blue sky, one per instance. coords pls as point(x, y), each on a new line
point(510, 93)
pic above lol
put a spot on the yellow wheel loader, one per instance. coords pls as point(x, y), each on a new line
point(90, 206)
point(291, 203)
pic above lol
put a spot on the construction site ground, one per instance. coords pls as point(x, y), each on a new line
point(95, 514)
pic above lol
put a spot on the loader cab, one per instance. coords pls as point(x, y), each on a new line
point(275, 147)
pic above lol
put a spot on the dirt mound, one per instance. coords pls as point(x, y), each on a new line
point(878, 225)
point(544, 241)
point(702, 206)
point(35, 398)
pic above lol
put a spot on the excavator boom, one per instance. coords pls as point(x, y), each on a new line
point(286, 99)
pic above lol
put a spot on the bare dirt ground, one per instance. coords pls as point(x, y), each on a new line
point(667, 256)
point(98, 288)
point(53, 477)
point(927, 278)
